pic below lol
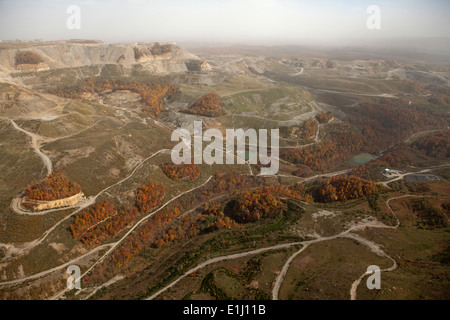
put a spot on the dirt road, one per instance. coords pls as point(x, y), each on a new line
point(46, 272)
point(35, 144)
point(24, 248)
point(305, 244)
point(378, 250)
point(114, 245)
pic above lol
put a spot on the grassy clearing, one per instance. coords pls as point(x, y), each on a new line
point(326, 270)
point(18, 165)
point(319, 80)
point(281, 103)
point(422, 256)
point(231, 85)
point(361, 158)
point(156, 267)
point(100, 156)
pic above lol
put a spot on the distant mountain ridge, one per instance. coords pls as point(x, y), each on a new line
point(401, 49)
point(159, 58)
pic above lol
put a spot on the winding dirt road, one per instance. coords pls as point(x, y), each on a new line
point(47, 272)
point(36, 145)
point(305, 244)
point(24, 248)
point(36, 142)
point(355, 284)
point(115, 244)
point(375, 248)
point(111, 245)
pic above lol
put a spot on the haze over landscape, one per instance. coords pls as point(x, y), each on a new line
point(236, 21)
point(96, 109)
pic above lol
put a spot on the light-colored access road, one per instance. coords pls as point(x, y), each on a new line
point(116, 244)
point(36, 145)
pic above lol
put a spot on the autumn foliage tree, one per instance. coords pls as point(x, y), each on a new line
point(214, 218)
point(439, 95)
point(391, 121)
point(89, 217)
point(53, 187)
point(435, 145)
point(263, 202)
point(345, 188)
point(321, 156)
point(210, 219)
point(303, 171)
point(208, 105)
point(181, 171)
point(429, 216)
point(152, 93)
point(111, 227)
point(397, 156)
point(150, 196)
point(370, 127)
point(324, 117)
point(154, 230)
point(364, 170)
point(252, 206)
point(170, 224)
point(309, 128)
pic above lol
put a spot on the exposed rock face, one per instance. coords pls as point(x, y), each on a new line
point(29, 61)
point(197, 65)
point(32, 67)
point(121, 59)
point(155, 57)
point(39, 205)
point(27, 57)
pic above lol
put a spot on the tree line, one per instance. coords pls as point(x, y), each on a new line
point(53, 187)
point(152, 93)
point(181, 171)
point(208, 105)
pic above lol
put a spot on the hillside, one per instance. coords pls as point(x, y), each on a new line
point(362, 180)
point(155, 57)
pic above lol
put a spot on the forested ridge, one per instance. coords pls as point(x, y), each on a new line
point(53, 187)
point(152, 93)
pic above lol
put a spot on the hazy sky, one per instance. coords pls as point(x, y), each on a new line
point(244, 21)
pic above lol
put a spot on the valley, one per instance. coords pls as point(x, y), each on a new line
point(102, 115)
